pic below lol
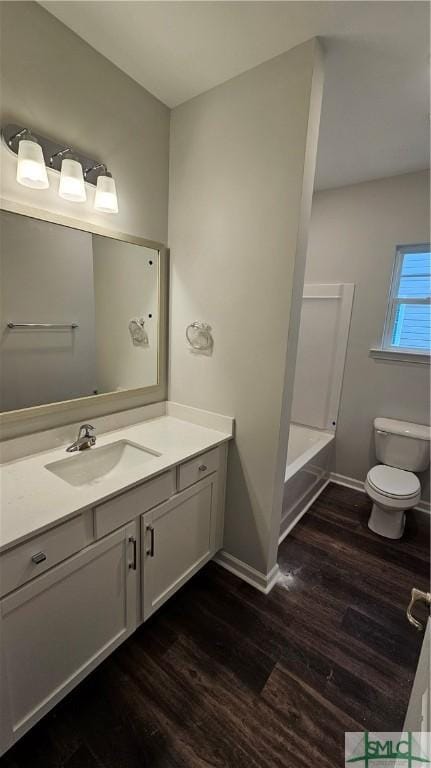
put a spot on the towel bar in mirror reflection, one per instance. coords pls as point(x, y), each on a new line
point(42, 325)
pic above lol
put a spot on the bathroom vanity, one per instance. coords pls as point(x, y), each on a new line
point(93, 543)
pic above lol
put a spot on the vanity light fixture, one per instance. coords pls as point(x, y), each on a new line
point(105, 200)
point(36, 153)
point(72, 185)
point(30, 170)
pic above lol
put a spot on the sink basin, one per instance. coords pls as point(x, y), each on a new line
point(95, 464)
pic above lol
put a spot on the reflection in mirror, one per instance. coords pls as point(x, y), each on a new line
point(59, 276)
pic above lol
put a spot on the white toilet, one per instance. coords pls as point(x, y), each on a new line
point(403, 448)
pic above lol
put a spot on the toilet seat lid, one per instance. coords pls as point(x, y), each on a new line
point(394, 482)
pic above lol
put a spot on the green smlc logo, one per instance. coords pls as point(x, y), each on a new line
point(401, 749)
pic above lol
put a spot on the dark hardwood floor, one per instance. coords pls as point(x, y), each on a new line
point(224, 676)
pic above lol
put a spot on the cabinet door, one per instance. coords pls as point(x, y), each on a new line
point(60, 626)
point(178, 537)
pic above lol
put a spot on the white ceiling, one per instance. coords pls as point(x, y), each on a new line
point(375, 118)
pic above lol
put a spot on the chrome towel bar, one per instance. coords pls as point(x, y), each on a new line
point(42, 325)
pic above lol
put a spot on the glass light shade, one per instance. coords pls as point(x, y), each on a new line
point(72, 185)
point(31, 170)
point(106, 195)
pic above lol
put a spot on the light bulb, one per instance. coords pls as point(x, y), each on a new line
point(72, 185)
point(106, 195)
point(31, 170)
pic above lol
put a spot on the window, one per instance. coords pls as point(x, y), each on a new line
point(408, 318)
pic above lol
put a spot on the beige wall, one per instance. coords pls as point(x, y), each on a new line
point(239, 201)
point(55, 83)
point(353, 236)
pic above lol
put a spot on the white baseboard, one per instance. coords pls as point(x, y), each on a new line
point(424, 506)
point(349, 482)
point(358, 485)
point(263, 582)
point(302, 512)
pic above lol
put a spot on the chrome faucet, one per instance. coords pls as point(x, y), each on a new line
point(86, 438)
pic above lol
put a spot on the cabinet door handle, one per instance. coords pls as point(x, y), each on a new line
point(150, 551)
point(132, 565)
point(39, 557)
point(203, 468)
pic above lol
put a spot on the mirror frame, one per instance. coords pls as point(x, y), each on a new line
point(51, 415)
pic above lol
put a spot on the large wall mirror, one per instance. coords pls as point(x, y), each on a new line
point(79, 313)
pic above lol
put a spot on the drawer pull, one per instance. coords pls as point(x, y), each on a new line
point(203, 468)
point(40, 557)
point(150, 551)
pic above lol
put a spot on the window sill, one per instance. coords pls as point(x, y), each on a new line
point(400, 356)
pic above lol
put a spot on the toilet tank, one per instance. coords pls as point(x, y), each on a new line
point(402, 444)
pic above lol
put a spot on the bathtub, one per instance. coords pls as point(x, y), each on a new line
point(309, 460)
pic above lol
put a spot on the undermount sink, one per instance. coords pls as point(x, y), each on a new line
point(95, 464)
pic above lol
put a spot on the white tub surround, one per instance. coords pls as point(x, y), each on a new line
point(309, 462)
point(87, 556)
point(304, 444)
point(322, 346)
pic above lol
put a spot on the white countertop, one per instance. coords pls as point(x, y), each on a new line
point(34, 499)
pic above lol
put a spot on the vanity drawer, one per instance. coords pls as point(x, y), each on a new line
point(33, 557)
point(131, 504)
point(195, 469)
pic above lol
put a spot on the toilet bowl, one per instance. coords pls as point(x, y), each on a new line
point(403, 448)
point(393, 491)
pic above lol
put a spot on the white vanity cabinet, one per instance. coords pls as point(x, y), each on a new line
point(59, 626)
point(177, 538)
point(71, 594)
